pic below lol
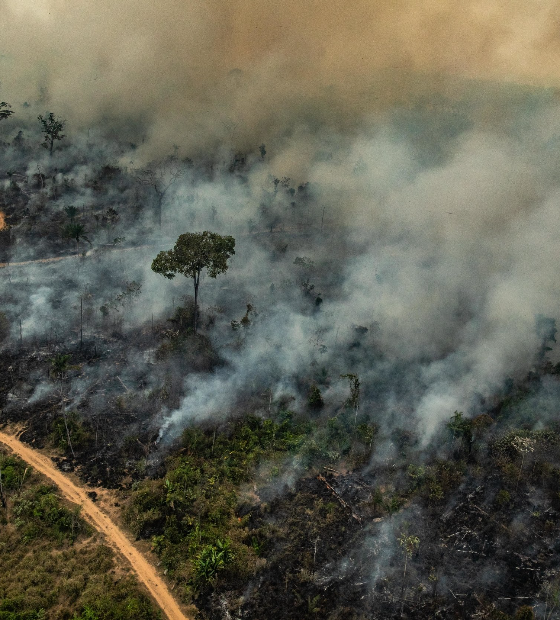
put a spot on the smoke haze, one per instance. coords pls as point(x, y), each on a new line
point(399, 138)
point(201, 74)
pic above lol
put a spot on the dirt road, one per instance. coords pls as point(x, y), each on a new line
point(145, 571)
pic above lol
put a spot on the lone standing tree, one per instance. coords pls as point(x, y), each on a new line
point(52, 128)
point(191, 254)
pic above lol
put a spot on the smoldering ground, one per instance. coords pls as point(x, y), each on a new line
point(432, 256)
point(389, 172)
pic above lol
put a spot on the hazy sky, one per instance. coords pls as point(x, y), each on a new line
point(209, 70)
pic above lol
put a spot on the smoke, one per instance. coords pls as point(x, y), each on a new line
point(416, 186)
point(446, 268)
point(204, 74)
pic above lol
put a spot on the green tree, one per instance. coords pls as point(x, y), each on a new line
point(52, 128)
point(212, 559)
point(353, 400)
point(5, 111)
point(192, 253)
point(60, 365)
point(409, 544)
point(76, 232)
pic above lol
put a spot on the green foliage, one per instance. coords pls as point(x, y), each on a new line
point(194, 252)
point(367, 433)
point(52, 128)
point(315, 398)
point(503, 498)
point(79, 434)
point(190, 514)
point(75, 231)
point(88, 613)
point(60, 365)
point(460, 427)
point(211, 559)
point(39, 514)
point(13, 472)
point(42, 573)
point(408, 543)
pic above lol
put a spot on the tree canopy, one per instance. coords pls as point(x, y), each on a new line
point(52, 128)
point(192, 253)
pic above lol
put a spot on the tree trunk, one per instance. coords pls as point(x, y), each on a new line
point(159, 207)
point(403, 584)
point(68, 434)
point(52, 145)
point(196, 283)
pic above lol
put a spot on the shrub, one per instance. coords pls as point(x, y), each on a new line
point(524, 613)
point(314, 398)
point(212, 559)
point(503, 498)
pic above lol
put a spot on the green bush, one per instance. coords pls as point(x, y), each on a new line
point(79, 434)
point(212, 559)
point(39, 514)
point(315, 398)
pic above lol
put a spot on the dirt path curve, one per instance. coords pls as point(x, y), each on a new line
point(146, 572)
point(56, 259)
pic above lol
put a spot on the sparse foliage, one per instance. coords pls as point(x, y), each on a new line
point(52, 128)
point(353, 400)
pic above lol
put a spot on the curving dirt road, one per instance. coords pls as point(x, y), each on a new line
point(145, 571)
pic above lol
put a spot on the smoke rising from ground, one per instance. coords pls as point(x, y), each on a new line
point(442, 246)
point(400, 221)
point(432, 225)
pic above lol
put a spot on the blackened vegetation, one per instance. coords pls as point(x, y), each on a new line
point(483, 505)
point(283, 516)
point(110, 431)
point(300, 497)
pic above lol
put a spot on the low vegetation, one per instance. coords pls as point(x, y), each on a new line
point(52, 567)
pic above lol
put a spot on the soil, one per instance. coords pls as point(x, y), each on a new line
point(91, 512)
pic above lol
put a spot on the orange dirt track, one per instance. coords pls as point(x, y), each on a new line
point(145, 571)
